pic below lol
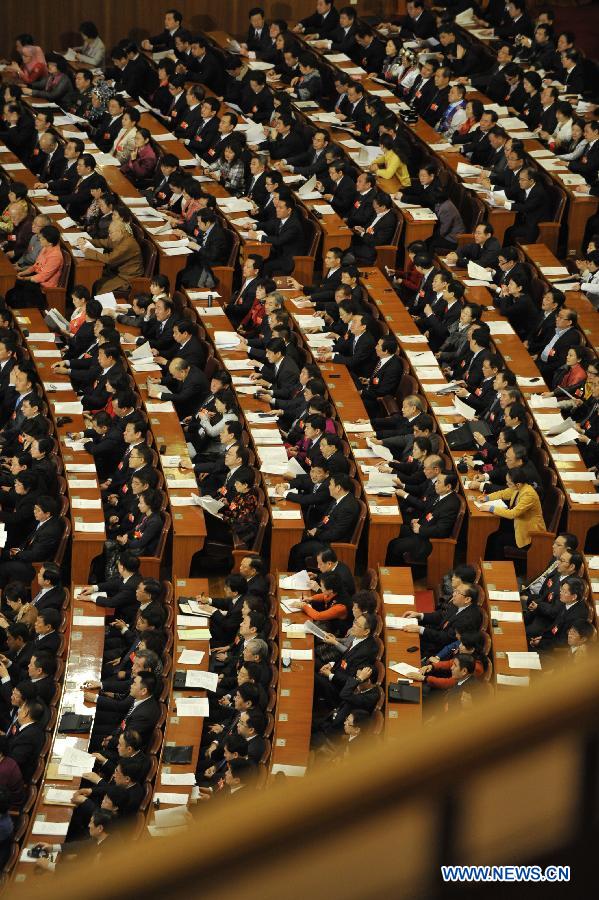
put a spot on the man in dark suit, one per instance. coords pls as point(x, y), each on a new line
point(41, 671)
point(203, 65)
point(327, 561)
point(418, 22)
point(25, 746)
point(211, 249)
point(52, 165)
point(360, 357)
point(483, 251)
point(470, 368)
point(436, 522)
point(437, 629)
point(361, 212)
point(279, 377)
point(325, 291)
point(322, 22)
point(241, 302)
point(189, 121)
point(256, 186)
point(173, 25)
point(338, 188)
point(361, 651)
point(254, 570)
point(422, 91)
point(377, 233)
point(143, 713)
point(310, 492)
point(492, 82)
point(257, 36)
point(119, 592)
point(371, 52)
point(286, 238)
point(131, 74)
point(438, 102)
point(42, 543)
point(337, 524)
point(531, 207)
point(94, 393)
point(51, 593)
point(46, 629)
point(78, 201)
point(185, 387)
point(159, 329)
point(552, 300)
point(588, 164)
point(566, 335)
point(256, 98)
point(206, 134)
point(289, 141)
point(313, 161)
point(573, 610)
point(385, 377)
point(343, 38)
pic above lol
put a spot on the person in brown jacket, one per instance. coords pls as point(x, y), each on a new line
point(122, 259)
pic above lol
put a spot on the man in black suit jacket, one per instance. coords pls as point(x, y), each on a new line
point(483, 251)
point(424, 88)
point(436, 522)
point(588, 164)
point(337, 524)
point(206, 134)
point(377, 233)
point(254, 569)
point(311, 492)
point(166, 39)
point(361, 651)
point(338, 188)
point(437, 629)
point(241, 302)
point(42, 544)
point(53, 163)
point(542, 334)
point(143, 713)
point(203, 65)
point(258, 35)
point(51, 593)
point(312, 161)
point(573, 610)
point(361, 212)
point(371, 52)
point(566, 335)
point(78, 201)
point(47, 638)
point(438, 102)
point(327, 561)
point(325, 291)
point(185, 387)
point(256, 185)
point(361, 358)
point(531, 207)
point(279, 376)
point(191, 118)
point(322, 22)
point(385, 377)
point(418, 22)
point(119, 592)
point(210, 249)
point(343, 38)
point(25, 746)
point(286, 238)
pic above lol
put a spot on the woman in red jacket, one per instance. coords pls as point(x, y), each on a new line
point(330, 608)
point(45, 272)
point(438, 673)
point(142, 162)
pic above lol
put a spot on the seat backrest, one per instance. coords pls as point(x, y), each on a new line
point(553, 505)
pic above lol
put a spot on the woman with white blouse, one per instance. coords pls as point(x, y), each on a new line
point(125, 139)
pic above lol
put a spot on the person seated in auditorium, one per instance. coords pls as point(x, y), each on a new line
point(359, 356)
point(238, 518)
point(310, 491)
point(436, 521)
point(564, 541)
point(279, 376)
point(377, 232)
point(587, 424)
point(41, 671)
point(520, 514)
point(285, 234)
point(483, 251)
point(45, 272)
point(424, 191)
point(330, 607)
point(438, 317)
point(104, 442)
point(122, 259)
point(185, 387)
point(143, 539)
point(397, 430)
point(142, 160)
point(121, 510)
point(542, 609)
point(571, 378)
point(328, 562)
point(25, 744)
point(438, 629)
point(306, 449)
point(89, 802)
point(582, 638)
point(144, 711)
point(41, 544)
point(469, 369)
point(46, 630)
point(514, 456)
point(421, 493)
point(337, 525)
point(385, 377)
point(573, 610)
point(361, 652)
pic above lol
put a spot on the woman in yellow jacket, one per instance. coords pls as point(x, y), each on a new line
point(389, 164)
point(521, 514)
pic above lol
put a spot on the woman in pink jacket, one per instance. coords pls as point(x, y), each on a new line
point(44, 273)
point(142, 163)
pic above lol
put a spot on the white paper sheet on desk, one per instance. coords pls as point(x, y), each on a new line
point(554, 270)
point(13, 167)
point(464, 410)
point(82, 483)
point(572, 456)
point(276, 455)
point(192, 706)
point(202, 295)
point(509, 596)
point(379, 450)
point(171, 798)
point(42, 826)
point(501, 616)
point(412, 339)
point(337, 57)
point(226, 340)
point(256, 418)
point(593, 563)
point(47, 354)
point(146, 367)
point(299, 581)
point(290, 465)
point(523, 381)
point(191, 657)
point(398, 599)
point(58, 797)
point(577, 476)
point(234, 204)
point(41, 337)
point(553, 423)
point(286, 514)
point(569, 179)
point(241, 379)
point(381, 479)
point(90, 527)
point(86, 503)
point(583, 498)
point(513, 680)
point(404, 669)
point(74, 408)
point(177, 251)
point(466, 169)
point(80, 759)
point(438, 148)
point(308, 187)
point(166, 407)
point(428, 373)
point(499, 327)
point(297, 653)
point(401, 205)
point(421, 357)
point(56, 386)
point(51, 209)
point(38, 192)
point(199, 679)
point(479, 272)
point(351, 143)
point(357, 427)
point(566, 437)
point(377, 510)
point(399, 621)
point(523, 660)
point(82, 468)
point(210, 504)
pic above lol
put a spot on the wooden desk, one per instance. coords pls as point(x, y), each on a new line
point(399, 715)
point(295, 688)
